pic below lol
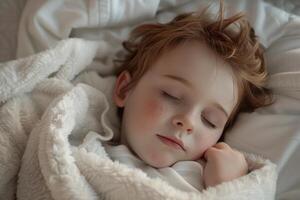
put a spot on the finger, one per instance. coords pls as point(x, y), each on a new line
point(206, 154)
point(222, 145)
point(209, 153)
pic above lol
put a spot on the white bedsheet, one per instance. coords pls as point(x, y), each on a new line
point(11, 10)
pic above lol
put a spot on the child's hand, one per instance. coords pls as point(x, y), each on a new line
point(223, 164)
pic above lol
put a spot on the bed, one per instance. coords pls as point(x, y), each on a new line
point(275, 130)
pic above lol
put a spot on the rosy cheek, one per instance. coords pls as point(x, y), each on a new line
point(148, 115)
point(153, 109)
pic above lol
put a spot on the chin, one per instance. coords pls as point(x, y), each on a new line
point(153, 158)
point(159, 163)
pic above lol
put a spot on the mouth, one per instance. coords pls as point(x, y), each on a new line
point(172, 141)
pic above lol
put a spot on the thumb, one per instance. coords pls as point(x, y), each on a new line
point(207, 153)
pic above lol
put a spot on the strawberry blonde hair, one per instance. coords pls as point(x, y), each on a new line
point(232, 39)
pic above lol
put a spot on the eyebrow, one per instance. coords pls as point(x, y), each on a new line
point(188, 84)
point(180, 79)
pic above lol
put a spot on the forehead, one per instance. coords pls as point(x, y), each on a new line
point(209, 76)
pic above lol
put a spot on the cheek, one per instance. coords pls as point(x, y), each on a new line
point(154, 109)
point(202, 143)
point(147, 114)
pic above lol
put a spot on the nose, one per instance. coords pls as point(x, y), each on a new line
point(183, 122)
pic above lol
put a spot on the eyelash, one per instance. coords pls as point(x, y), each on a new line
point(165, 94)
point(211, 125)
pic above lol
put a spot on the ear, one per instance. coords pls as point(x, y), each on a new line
point(120, 95)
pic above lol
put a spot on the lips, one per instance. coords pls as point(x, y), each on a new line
point(172, 141)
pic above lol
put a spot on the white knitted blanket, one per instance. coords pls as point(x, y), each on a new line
point(55, 110)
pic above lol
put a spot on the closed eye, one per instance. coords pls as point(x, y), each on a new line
point(208, 123)
point(167, 95)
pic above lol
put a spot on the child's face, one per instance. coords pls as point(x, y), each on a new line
point(176, 98)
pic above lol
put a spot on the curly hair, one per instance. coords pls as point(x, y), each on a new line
point(233, 39)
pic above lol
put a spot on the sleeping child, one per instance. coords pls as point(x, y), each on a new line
point(181, 86)
point(176, 91)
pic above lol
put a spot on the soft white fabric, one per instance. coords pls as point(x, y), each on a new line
point(44, 23)
point(272, 132)
point(11, 10)
point(184, 175)
point(49, 129)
